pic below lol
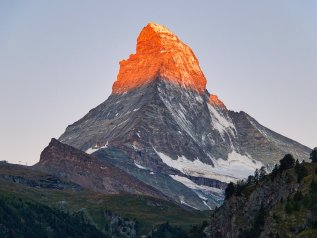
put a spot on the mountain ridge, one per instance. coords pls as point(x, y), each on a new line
point(80, 168)
point(172, 128)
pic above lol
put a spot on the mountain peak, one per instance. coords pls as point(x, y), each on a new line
point(159, 53)
point(159, 28)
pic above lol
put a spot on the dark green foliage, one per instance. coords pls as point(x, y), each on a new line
point(274, 172)
point(288, 208)
point(256, 175)
point(20, 218)
point(287, 162)
point(301, 171)
point(260, 218)
point(240, 186)
point(313, 155)
point(295, 215)
point(257, 227)
point(197, 231)
point(167, 231)
point(247, 234)
point(250, 179)
point(293, 206)
point(298, 196)
point(229, 190)
point(237, 189)
point(310, 199)
point(295, 203)
point(262, 172)
point(313, 186)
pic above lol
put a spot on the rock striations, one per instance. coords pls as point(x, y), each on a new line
point(161, 126)
point(160, 54)
point(87, 171)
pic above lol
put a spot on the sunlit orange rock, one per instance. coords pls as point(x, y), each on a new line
point(159, 53)
point(215, 101)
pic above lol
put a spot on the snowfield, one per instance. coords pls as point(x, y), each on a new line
point(190, 184)
point(236, 167)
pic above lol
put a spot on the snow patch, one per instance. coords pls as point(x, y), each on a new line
point(261, 131)
point(140, 166)
point(199, 99)
point(96, 148)
point(220, 123)
point(207, 205)
point(190, 184)
point(185, 203)
point(178, 114)
point(236, 167)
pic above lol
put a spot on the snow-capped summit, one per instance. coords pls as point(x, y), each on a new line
point(162, 126)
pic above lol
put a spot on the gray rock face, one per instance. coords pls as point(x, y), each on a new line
point(175, 132)
point(264, 144)
point(239, 213)
point(75, 166)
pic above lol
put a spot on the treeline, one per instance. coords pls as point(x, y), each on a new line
point(166, 230)
point(23, 218)
point(287, 162)
point(307, 201)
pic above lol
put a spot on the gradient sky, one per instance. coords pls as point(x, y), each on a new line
point(59, 59)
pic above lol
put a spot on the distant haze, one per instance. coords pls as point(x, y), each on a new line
point(59, 59)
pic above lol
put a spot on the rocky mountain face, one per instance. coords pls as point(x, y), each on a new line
point(87, 171)
point(161, 126)
point(279, 205)
point(159, 53)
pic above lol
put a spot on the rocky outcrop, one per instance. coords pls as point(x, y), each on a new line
point(27, 176)
point(78, 167)
point(261, 209)
point(159, 54)
point(228, 219)
point(216, 102)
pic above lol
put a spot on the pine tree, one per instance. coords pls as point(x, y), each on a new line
point(260, 218)
point(262, 172)
point(229, 190)
point(287, 162)
point(313, 155)
point(250, 180)
point(301, 171)
point(256, 175)
point(274, 172)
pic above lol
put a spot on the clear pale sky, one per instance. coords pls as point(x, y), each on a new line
point(59, 59)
